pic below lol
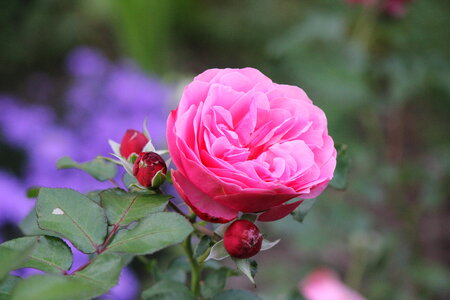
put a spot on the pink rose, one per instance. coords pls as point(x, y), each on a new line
point(323, 284)
point(242, 143)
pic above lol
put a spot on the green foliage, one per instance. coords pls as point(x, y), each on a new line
point(123, 208)
point(215, 282)
point(151, 234)
point(202, 246)
point(235, 295)
point(49, 254)
point(7, 285)
point(13, 257)
point(300, 213)
point(167, 290)
point(343, 163)
point(248, 267)
point(72, 215)
point(98, 168)
point(91, 282)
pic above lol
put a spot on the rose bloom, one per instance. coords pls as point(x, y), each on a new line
point(242, 143)
point(323, 284)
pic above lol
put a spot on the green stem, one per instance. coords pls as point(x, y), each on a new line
point(195, 267)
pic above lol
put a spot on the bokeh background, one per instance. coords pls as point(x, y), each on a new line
point(75, 73)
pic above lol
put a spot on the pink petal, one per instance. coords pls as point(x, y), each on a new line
point(278, 212)
point(203, 206)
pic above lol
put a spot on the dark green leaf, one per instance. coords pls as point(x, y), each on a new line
point(300, 213)
point(123, 208)
point(94, 196)
point(235, 295)
point(153, 233)
point(6, 287)
point(13, 257)
point(49, 254)
point(343, 163)
point(202, 246)
point(33, 192)
point(215, 282)
point(167, 290)
point(104, 271)
point(72, 215)
point(29, 226)
point(248, 267)
point(54, 287)
point(99, 168)
point(169, 176)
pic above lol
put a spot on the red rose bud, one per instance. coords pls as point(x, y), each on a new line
point(132, 142)
point(242, 239)
point(150, 169)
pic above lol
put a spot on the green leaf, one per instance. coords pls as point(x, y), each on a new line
point(13, 258)
point(218, 252)
point(167, 290)
point(123, 208)
point(343, 163)
point(7, 285)
point(104, 271)
point(94, 196)
point(202, 246)
point(72, 215)
point(33, 192)
point(215, 282)
point(169, 176)
point(235, 295)
point(300, 213)
point(98, 167)
point(128, 179)
point(248, 267)
point(151, 234)
point(49, 254)
point(29, 226)
point(54, 287)
point(95, 280)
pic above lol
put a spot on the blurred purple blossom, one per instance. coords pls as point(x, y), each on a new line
point(102, 101)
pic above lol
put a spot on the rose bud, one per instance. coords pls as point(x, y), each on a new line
point(132, 142)
point(242, 239)
point(150, 169)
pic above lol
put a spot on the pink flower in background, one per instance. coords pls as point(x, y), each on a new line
point(323, 284)
point(242, 143)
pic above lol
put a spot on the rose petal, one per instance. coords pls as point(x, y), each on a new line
point(205, 207)
point(278, 212)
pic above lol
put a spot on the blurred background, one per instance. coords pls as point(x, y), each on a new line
point(75, 73)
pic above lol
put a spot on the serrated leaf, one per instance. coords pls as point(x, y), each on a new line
point(167, 290)
point(49, 254)
point(202, 246)
point(73, 216)
point(153, 233)
point(266, 244)
point(97, 168)
point(218, 252)
point(300, 213)
point(340, 177)
point(7, 285)
point(235, 295)
point(29, 226)
point(123, 208)
point(104, 271)
point(248, 267)
point(13, 258)
point(215, 282)
point(95, 280)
